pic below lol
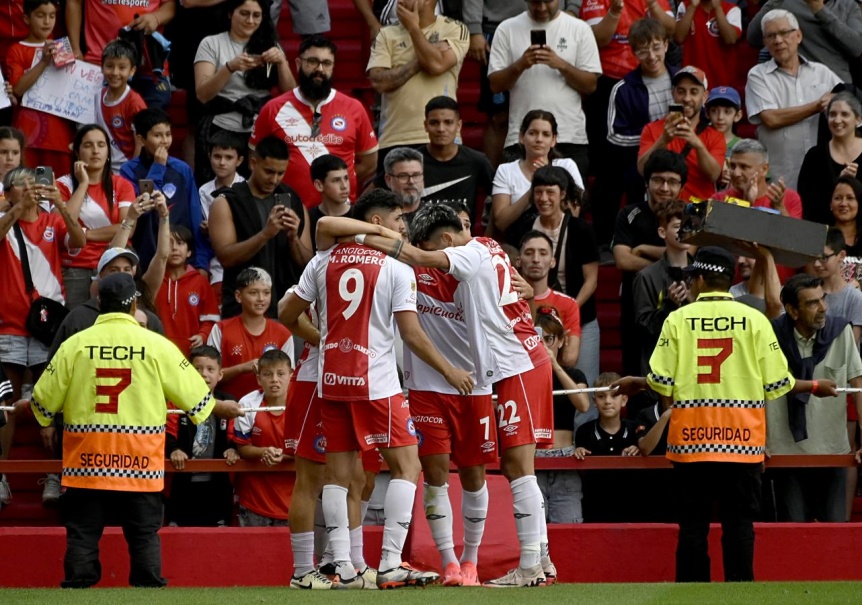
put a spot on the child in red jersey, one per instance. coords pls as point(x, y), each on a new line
point(118, 104)
point(241, 340)
point(48, 136)
point(264, 498)
point(185, 301)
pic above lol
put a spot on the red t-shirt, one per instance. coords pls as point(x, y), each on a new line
point(44, 238)
point(43, 130)
point(266, 494)
point(187, 306)
point(345, 131)
point(237, 345)
point(117, 118)
point(12, 25)
point(697, 184)
point(104, 18)
point(792, 201)
point(703, 45)
point(94, 215)
point(570, 312)
point(617, 56)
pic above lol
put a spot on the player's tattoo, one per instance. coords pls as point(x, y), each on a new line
point(387, 80)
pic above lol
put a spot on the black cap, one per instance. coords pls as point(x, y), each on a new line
point(712, 259)
point(116, 291)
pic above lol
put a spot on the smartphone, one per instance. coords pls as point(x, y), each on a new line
point(676, 274)
point(146, 186)
point(283, 199)
point(674, 108)
point(44, 175)
point(538, 37)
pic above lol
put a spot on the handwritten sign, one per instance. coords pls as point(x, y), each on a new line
point(68, 92)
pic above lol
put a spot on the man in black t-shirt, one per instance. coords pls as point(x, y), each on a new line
point(636, 244)
point(452, 171)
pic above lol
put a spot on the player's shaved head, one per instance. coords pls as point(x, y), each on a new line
point(375, 202)
point(431, 219)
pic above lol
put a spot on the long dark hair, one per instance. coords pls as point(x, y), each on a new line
point(856, 186)
point(107, 181)
point(546, 116)
point(263, 38)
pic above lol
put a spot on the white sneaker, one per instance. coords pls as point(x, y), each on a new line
point(51, 489)
point(517, 578)
point(314, 580)
point(369, 575)
point(5, 492)
point(405, 575)
point(550, 571)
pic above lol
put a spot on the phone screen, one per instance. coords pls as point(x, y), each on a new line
point(538, 37)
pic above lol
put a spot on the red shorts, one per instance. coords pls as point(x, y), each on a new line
point(372, 461)
point(351, 426)
point(525, 408)
point(303, 429)
point(456, 425)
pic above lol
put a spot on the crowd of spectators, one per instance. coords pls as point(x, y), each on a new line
point(604, 120)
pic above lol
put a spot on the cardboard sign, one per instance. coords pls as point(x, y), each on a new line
point(69, 92)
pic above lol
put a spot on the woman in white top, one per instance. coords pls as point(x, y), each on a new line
point(511, 190)
point(235, 72)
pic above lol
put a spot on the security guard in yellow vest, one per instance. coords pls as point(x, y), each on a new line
point(715, 363)
point(111, 382)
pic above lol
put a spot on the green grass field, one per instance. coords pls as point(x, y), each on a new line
point(783, 593)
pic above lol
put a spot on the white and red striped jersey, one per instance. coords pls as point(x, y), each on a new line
point(342, 127)
point(443, 320)
point(503, 339)
point(358, 289)
point(46, 238)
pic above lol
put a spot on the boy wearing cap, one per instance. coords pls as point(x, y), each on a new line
point(723, 108)
point(708, 31)
point(716, 362)
point(689, 134)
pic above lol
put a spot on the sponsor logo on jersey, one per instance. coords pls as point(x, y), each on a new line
point(428, 419)
point(426, 279)
point(376, 438)
point(510, 429)
point(332, 379)
point(237, 350)
point(439, 312)
point(487, 447)
point(194, 299)
point(339, 123)
point(48, 234)
point(532, 342)
point(542, 433)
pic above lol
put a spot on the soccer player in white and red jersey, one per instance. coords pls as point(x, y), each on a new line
point(315, 120)
point(361, 294)
point(507, 351)
point(449, 424)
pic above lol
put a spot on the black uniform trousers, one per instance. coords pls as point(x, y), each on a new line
point(736, 488)
point(86, 512)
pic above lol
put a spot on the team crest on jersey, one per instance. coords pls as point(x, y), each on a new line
point(419, 436)
point(339, 123)
point(236, 350)
point(169, 190)
point(712, 28)
point(194, 299)
point(48, 234)
point(117, 121)
point(411, 428)
point(320, 444)
point(345, 345)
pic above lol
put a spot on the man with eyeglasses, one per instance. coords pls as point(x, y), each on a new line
point(405, 177)
point(636, 243)
point(831, 32)
point(410, 64)
point(842, 299)
point(316, 120)
point(785, 95)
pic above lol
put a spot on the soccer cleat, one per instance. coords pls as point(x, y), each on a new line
point(518, 578)
point(330, 570)
point(550, 571)
point(5, 492)
point(404, 575)
point(469, 574)
point(314, 580)
point(369, 574)
point(452, 575)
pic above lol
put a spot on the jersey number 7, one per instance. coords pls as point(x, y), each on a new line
point(713, 362)
point(112, 392)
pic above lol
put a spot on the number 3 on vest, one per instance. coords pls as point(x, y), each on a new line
point(112, 392)
point(713, 362)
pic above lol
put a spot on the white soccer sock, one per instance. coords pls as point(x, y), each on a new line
point(321, 540)
point(398, 511)
point(335, 511)
point(302, 545)
point(357, 550)
point(363, 510)
point(438, 512)
point(543, 539)
point(527, 500)
point(474, 509)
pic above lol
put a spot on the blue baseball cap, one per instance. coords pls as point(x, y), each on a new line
point(724, 93)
